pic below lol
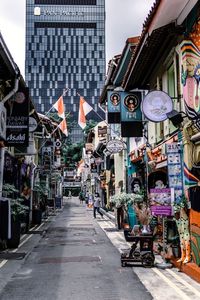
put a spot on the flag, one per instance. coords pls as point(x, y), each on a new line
point(84, 109)
point(59, 106)
point(63, 127)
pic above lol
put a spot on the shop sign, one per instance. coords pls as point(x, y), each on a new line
point(89, 148)
point(17, 123)
point(32, 124)
point(114, 100)
point(115, 146)
point(102, 131)
point(156, 105)
point(161, 201)
point(130, 106)
point(175, 169)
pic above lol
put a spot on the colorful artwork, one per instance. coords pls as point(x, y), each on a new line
point(130, 106)
point(174, 162)
point(160, 202)
point(114, 101)
point(190, 60)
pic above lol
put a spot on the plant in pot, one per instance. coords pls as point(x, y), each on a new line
point(18, 211)
point(122, 202)
point(40, 193)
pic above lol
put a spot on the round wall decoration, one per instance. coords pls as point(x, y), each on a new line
point(156, 105)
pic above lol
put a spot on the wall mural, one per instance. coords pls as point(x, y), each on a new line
point(190, 76)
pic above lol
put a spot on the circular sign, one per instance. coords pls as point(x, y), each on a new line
point(32, 124)
point(115, 146)
point(131, 102)
point(156, 105)
point(19, 97)
point(57, 144)
point(115, 99)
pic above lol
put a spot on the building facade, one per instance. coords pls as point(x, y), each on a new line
point(65, 48)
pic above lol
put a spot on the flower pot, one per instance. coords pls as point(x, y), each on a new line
point(14, 241)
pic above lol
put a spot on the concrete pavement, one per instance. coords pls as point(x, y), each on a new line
point(73, 260)
point(78, 257)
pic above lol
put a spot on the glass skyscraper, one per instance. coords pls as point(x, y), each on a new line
point(65, 48)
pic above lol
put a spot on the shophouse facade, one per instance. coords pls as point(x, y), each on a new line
point(166, 59)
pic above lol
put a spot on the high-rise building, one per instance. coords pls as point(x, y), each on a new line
point(65, 48)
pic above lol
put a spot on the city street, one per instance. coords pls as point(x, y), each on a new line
point(74, 256)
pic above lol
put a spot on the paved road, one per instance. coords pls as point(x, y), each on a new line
point(74, 260)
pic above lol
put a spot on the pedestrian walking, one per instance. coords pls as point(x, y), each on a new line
point(97, 205)
point(81, 197)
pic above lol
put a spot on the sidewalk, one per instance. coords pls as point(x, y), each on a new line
point(191, 269)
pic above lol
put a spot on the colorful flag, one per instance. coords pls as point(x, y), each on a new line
point(84, 109)
point(63, 127)
point(59, 106)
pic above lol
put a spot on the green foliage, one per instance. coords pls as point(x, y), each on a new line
point(90, 124)
point(40, 188)
point(17, 207)
point(72, 154)
point(183, 203)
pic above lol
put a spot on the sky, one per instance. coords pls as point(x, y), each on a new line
point(124, 19)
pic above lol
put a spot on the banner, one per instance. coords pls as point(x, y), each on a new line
point(130, 106)
point(114, 103)
point(17, 123)
point(175, 169)
point(161, 202)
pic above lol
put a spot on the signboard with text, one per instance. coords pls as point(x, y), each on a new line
point(17, 123)
point(174, 162)
point(161, 201)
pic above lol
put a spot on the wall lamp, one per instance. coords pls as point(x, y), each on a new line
point(176, 117)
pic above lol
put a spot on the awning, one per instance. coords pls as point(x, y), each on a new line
point(152, 52)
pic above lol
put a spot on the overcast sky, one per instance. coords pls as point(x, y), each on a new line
point(124, 19)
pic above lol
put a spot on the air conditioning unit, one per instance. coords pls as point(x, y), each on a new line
point(3, 114)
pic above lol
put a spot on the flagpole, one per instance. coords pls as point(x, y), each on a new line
point(63, 94)
point(116, 132)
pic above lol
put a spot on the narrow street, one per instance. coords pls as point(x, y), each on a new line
point(74, 257)
point(73, 260)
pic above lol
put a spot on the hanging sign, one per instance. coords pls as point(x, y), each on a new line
point(130, 106)
point(17, 123)
point(115, 146)
point(156, 105)
point(174, 163)
point(161, 202)
point(32, 124)
point(114, 101)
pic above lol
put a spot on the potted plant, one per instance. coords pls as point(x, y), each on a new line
point(39, 207)
point(122, 202)
point(18, 210)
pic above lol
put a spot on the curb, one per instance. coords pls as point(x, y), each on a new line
point(109, 215)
